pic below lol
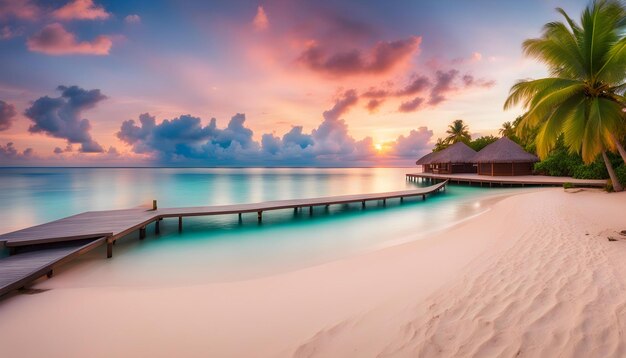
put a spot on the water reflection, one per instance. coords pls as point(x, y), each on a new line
point(222, 248)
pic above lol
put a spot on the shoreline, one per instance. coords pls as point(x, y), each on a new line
point(376, 303)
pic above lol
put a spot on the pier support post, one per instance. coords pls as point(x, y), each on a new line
point(259, 215)
point(423, 196)
point(12, 251)
point(384, 202)
point(401, 199)
point(50, 273)
point(310, 210)
point(363, 204)
point(142, 233)
point(157, 229)
point(109, 249)
point(295, 210)
point(180, 224)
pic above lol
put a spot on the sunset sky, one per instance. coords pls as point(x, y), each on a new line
point(322, 83)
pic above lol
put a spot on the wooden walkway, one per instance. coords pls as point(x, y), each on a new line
point(18, 270)
point(521, 180)
point(30, 259)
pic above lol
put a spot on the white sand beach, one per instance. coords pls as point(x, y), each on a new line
point(535, 276)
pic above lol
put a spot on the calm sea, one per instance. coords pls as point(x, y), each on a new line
point(222, 248)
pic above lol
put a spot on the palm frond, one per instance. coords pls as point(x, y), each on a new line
point(545, 105)
point(525, 90)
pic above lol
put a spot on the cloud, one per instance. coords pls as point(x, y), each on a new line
point(470, 81)
point(373, 105)
point(375, 93)
point(348, 99)
point(417, 85)
point(473, 58)
point(131, 133)
point(81, 10)
point(186, 140)
point(60, 117)
point(7, 115)
point(414, 145)
point(382, 58)
point(412, 105)
point(20, 9)
point(444, 83)
point(9, 154)
point(55, 40)
point(433, 91)
point(295, 137)
point(132, 19)
point(185, 137)
point(260, 21)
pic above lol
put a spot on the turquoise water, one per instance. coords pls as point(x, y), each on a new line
point(222, 248)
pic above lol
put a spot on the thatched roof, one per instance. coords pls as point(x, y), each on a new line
point(425, 159)
point(504, 150)
point(456, 153)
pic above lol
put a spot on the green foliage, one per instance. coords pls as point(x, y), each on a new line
point(481, 142)
point(583, 97)
point(507, 130)
point(560, 162)
point(440, 145)
point(458, 131)
point(595, 170)
point(568, 185)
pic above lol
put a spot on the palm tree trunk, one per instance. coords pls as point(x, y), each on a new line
point(617, 186)
point(620, 148)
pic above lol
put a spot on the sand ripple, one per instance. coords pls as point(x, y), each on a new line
point(556, 289)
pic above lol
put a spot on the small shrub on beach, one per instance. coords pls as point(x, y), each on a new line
point(609, 186)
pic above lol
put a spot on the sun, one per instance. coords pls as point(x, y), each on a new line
point(378, 147)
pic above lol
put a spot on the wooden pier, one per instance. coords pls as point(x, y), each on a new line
point(18, 270)
point(520, 180)
point(35, 250)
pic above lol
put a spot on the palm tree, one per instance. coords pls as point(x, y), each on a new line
point(440, 145)
point(458, 132)
point(507, 130)
point(584, 97)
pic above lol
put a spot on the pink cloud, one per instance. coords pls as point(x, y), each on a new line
point(382, 58)
point(470, 81)
point(260, 21)
point(342, 105)
point(417, 85)
point(412, 105)
point(55, 40)
point(81, 10)
point(373, 105)
point(21, 9)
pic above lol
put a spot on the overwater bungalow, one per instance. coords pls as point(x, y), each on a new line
point(504, 157)
point(457, 158)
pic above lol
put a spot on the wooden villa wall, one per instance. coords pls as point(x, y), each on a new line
point(505, 169)
point(448, 168)
point(463, 168)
